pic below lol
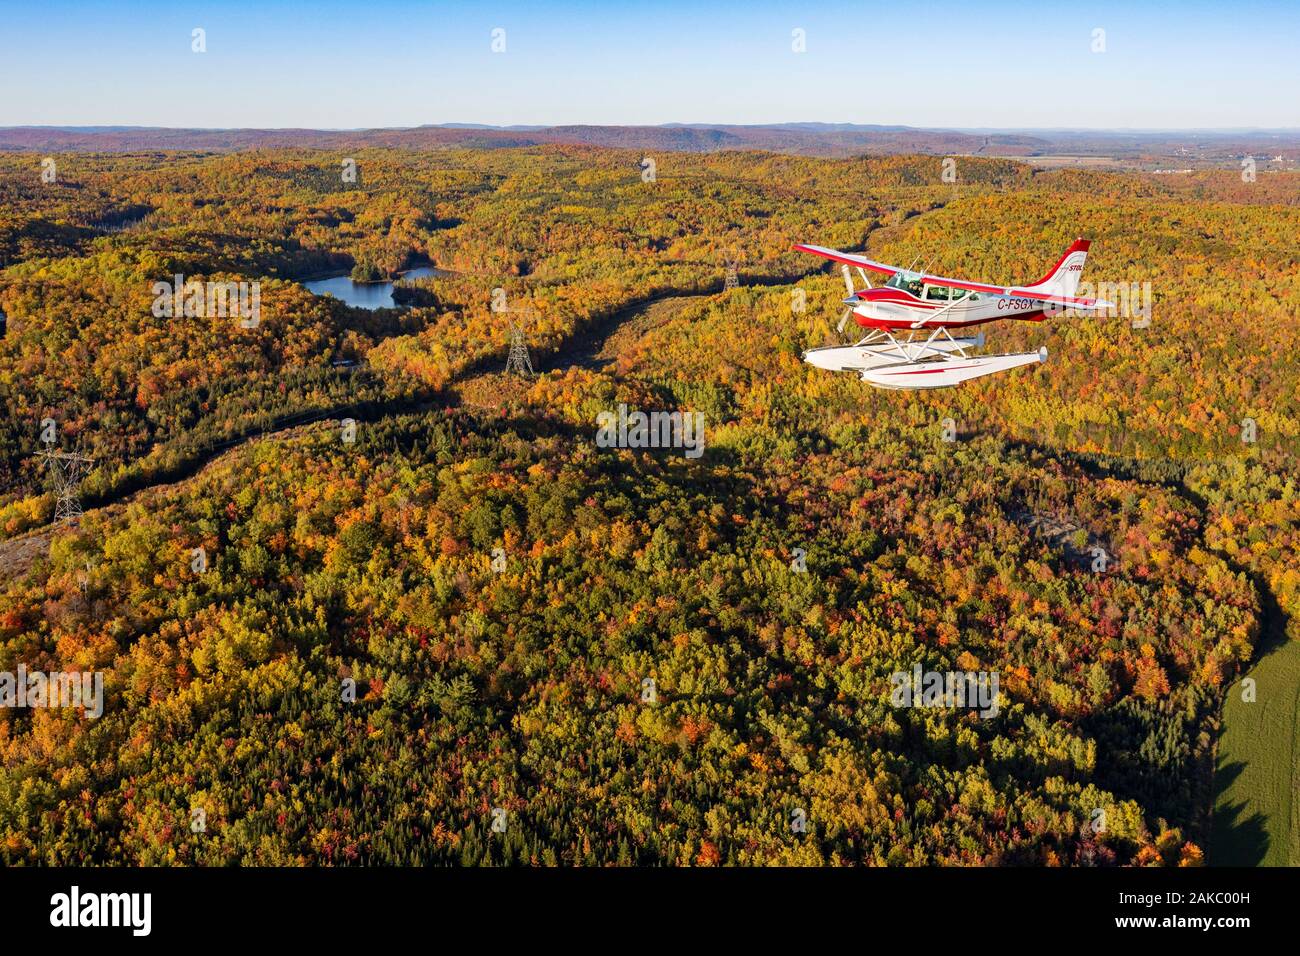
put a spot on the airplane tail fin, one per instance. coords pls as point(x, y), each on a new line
point(1064, 277)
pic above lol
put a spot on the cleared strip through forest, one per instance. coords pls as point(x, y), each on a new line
point(581, 349)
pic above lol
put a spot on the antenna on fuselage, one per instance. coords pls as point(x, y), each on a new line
point(911, 274)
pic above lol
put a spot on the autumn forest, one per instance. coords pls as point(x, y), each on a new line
point(361, 596)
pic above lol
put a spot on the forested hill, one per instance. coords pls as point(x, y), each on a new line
point(809, 139)
point(470, 633)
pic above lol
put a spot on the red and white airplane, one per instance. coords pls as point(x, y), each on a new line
point(926, 307)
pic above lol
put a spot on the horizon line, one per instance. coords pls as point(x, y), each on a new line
point(675, 124)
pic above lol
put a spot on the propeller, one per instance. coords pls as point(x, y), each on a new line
point(848, 284)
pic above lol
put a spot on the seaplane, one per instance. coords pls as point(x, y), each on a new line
point(910, 319)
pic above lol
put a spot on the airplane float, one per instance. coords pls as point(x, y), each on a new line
point(909, 318)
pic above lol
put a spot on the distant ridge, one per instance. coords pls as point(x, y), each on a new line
point(810, 139)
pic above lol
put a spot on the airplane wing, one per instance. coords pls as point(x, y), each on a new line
point(849, 258)
point(999, 291)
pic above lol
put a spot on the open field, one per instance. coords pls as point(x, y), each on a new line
point(1256, 808)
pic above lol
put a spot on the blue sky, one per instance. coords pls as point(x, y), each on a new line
point(372, 63)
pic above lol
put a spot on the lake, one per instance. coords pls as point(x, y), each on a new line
point(366, 295)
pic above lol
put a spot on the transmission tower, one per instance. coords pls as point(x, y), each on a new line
point(518, 362)
point(732, 280)
point(67, 469)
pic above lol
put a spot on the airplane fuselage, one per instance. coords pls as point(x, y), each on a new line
point(888, 307)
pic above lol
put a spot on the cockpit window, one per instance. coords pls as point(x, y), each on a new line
point(900, 281)
point(948, 293)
